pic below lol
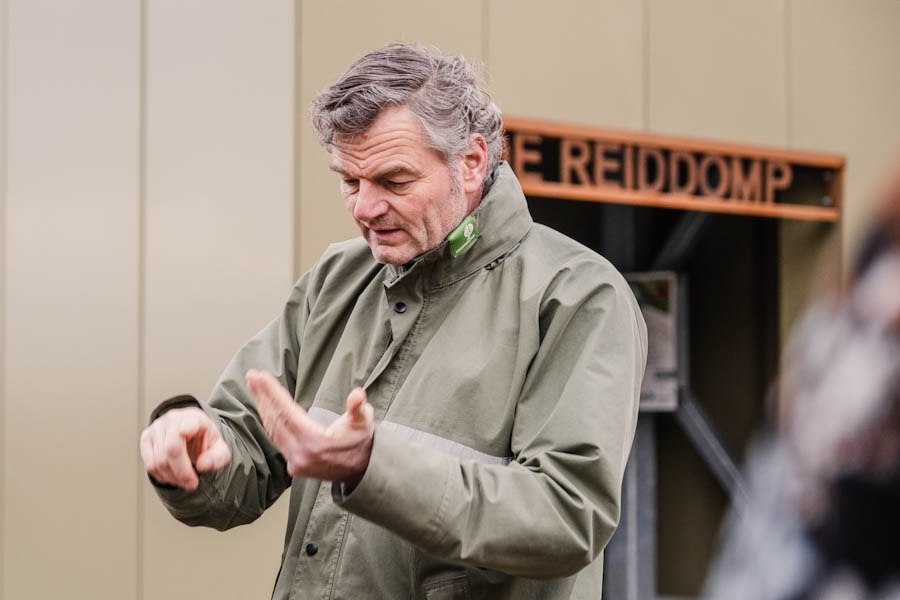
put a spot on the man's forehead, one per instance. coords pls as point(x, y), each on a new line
point(387, 151)
point(376, 148)
point(393, 121)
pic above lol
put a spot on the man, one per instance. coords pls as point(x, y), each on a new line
point(451, 399)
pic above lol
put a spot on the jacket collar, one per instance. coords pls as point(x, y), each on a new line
point(501, 220)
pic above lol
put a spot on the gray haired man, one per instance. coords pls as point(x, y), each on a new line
point(450, 399)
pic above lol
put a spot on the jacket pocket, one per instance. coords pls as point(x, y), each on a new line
point(448, 589)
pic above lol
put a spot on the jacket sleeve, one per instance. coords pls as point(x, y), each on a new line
point(552, 510)
point(256, 475)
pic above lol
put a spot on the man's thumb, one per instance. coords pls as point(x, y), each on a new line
point(356, 406)
point(214, 458)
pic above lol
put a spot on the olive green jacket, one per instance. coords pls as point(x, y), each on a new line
point(505, 384)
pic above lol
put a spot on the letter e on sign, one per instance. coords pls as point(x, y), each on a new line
point(523, 156)
point(604, 165)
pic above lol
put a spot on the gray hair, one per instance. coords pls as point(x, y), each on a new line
point(444, 92)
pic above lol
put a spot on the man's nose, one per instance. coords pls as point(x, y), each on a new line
point(370, 202)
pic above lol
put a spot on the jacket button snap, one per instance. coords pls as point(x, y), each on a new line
point(400, 307)
point(311, 549)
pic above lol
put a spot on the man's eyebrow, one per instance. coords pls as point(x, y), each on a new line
point(398, 170)
point(390, 172)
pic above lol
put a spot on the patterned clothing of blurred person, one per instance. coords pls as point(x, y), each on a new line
point(824, 522)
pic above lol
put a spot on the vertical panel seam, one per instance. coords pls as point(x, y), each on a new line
point(142, 285)
point(485, 39)
point(788, 70)
point(645, 67)
point(4, 226)
point(298, 138)
point(295, 156)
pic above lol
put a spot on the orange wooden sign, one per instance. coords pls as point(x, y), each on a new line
point(554, 160)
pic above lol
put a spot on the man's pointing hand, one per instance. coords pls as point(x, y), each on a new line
point(339, 452)
point(180, 441)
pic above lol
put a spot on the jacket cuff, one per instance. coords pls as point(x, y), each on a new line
point(181, 401)
point(180, 502)
point(385, 497)
point(188, 505)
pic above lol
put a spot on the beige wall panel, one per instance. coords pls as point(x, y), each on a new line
point(844, 91)
point(331, 35)
point(3, 236)
point(717, 69)
point(219, 214)
point(570, 60)
point(70, 508)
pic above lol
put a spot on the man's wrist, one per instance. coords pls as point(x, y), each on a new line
point(348, 484)
point(181, 401)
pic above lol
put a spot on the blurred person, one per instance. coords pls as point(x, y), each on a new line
point(450, 399)
point(824, 521)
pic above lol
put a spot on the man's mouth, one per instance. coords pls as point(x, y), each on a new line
point(386, 234)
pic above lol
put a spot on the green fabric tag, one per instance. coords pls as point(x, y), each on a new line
point(462, 238)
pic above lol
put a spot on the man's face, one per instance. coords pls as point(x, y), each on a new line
point(400, 192)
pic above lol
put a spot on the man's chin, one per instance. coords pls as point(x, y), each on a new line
point(390, 255)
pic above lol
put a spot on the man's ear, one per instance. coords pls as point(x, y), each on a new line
point(473, 165)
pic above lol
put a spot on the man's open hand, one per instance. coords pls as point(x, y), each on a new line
point(181, 440)
point(339, 452)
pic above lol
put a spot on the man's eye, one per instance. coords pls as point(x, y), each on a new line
point(351, 184)
point(397, 184)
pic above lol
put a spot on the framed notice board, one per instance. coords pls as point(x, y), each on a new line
point(662, 298)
